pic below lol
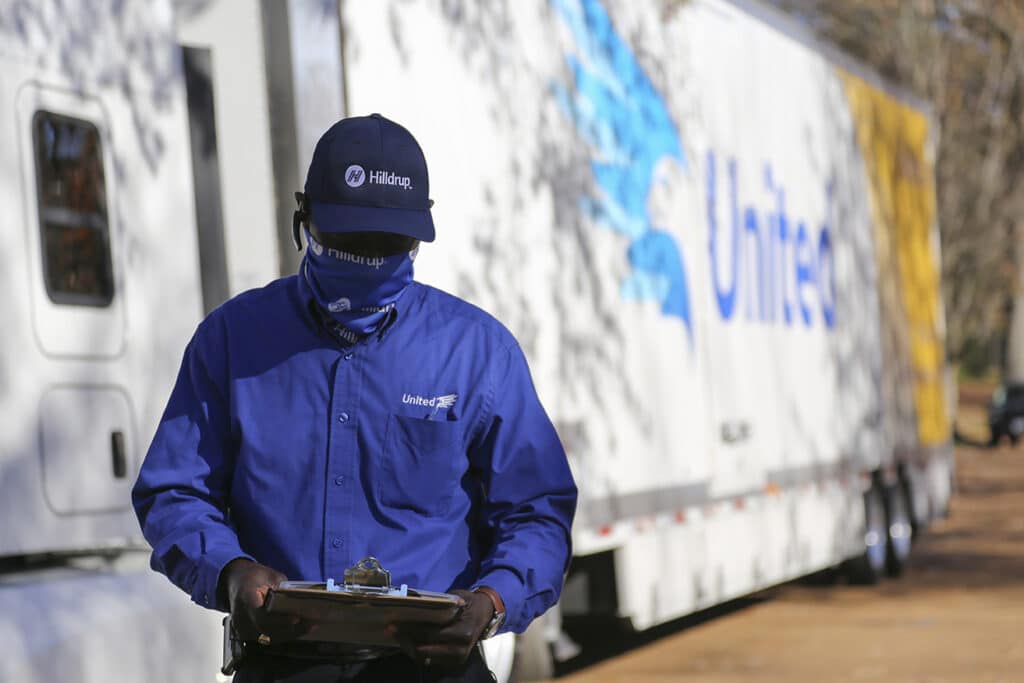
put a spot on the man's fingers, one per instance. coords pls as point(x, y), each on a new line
point(256, 594)
point(249, 585)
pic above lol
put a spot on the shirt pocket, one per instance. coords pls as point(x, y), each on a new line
point(423, 464)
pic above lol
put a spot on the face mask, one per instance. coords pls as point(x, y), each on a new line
point(358, 292)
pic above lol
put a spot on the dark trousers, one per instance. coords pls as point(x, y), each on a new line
point(391, 669)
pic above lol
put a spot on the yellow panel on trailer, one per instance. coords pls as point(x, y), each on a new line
point(894, 140)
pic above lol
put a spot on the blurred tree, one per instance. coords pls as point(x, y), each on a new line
point(966, 57)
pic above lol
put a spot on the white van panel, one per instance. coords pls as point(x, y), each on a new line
point(104, 622)
point(87, 442)
point(60, 329)
point(128, 352)
point(243, 134)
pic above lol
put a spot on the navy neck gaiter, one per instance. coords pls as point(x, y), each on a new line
point(357, 292)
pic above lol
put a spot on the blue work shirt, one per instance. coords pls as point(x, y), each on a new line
point(424, 445)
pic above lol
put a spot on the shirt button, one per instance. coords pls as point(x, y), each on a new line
point(343, 417)
point(339, 480)
point(348, 356)
point(337, 543)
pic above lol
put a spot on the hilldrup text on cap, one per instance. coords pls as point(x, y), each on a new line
point(390, 178)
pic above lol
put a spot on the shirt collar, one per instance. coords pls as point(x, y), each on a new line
point(323, 320)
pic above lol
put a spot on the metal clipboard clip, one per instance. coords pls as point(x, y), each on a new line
point(367, 576)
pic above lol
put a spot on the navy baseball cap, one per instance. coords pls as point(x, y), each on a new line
point(368, 174)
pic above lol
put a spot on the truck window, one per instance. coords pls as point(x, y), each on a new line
point(73, 218)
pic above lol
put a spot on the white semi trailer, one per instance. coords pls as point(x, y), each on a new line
point(714, 237)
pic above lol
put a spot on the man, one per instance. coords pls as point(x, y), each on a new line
point(349, 411)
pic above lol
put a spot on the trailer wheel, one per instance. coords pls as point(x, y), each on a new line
point(869, 566)
point(1016, 428)
point(899, 536)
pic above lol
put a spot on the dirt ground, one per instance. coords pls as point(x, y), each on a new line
point(957, 615)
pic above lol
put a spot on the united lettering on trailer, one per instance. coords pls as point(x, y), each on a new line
point(786, 267)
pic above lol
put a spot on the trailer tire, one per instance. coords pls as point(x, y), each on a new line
point(899, 528)
point(533, 657)
point(869, 566)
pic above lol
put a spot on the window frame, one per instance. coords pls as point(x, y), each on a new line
point(99, 222)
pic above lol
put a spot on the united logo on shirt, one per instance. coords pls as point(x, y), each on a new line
point(437, 402)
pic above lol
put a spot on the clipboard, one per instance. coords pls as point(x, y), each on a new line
point(358, 611)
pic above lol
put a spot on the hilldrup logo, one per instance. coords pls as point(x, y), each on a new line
point(342, 304)
point(355, 175)
point(617, 109)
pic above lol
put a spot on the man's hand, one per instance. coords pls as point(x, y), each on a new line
point(447, 646)
point(246, 584)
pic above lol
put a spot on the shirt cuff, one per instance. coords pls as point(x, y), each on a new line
point(510, 587)
point(211, 564)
